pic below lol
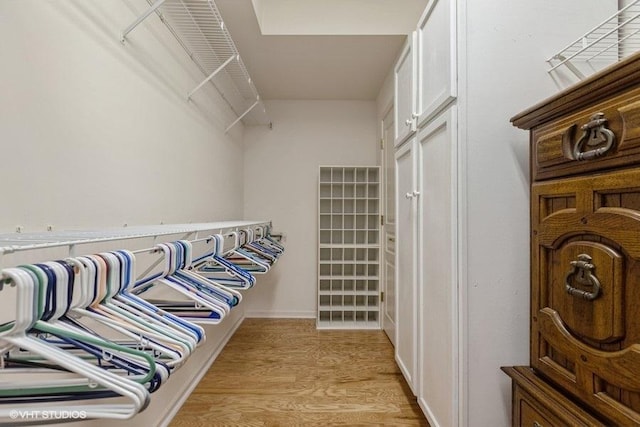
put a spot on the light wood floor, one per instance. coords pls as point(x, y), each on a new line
point(286, 373)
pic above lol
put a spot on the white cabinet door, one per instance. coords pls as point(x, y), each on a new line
point(437, 271)
point(404, 92)
point(406, 292)
point(436, 59)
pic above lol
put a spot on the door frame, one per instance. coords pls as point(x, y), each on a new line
point(388, 229)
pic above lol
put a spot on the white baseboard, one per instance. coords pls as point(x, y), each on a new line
point(280, 314)
point(194, 383)
point(428, 413)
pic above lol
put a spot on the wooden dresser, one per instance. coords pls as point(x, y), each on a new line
point(585, 255)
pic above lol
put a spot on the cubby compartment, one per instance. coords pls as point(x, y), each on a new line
point(336, 269)
point(336, 191)
point(373, 191)
point(325, 191)
point(325, 254)
point(349, 191)
point(325, 237)
point(325, 222)
point(349, 254)
point(325, 175)
point(347, 237)
point(325, 269)
point(349, 206)
point(349, 286)
point(349, 175)
point(348, 269)
point(336, 222)
point(349, 221)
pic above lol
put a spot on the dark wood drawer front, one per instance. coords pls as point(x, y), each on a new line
point(586, 289)
point(537, 404)
point(530, 417)
point(557, 147)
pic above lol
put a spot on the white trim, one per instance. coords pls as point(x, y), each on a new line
point(324, 326)
point(191, 385)
point(271, 314)
point(463, 281)
point(431, 418)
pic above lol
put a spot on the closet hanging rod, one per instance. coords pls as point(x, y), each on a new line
point(202, 239)
point(15, 242)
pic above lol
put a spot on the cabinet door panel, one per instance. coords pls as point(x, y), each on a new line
point(437, 278)
point(585, 333)
point(436, 57)
point(406, 294)
point(404, 92)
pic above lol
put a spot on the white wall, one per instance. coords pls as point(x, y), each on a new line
point(96, 133)
point(281, 184)
point(505, 73)
point(99, 133)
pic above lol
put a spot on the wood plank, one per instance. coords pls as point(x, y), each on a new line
point(277, 372)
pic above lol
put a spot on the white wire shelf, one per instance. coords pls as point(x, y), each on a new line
point(609, 42)
point(200, 30)
point(14, 242)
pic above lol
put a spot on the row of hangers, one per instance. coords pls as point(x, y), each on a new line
point(85, 328)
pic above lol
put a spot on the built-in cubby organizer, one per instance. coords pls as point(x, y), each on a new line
point(349, 247)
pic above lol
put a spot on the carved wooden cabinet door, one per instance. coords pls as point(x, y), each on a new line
point(585, 313)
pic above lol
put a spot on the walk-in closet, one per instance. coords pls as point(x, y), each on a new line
point(319, 212)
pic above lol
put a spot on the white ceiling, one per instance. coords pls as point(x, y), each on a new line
point(295, 66)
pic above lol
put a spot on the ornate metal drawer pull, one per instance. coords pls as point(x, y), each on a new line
point(595, 135)
point(582, 273)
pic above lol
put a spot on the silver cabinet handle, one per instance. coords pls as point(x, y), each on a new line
point(409, 195)
point(415, 193)
point(408, 122)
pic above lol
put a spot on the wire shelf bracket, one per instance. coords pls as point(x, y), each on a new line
point(212, 75)
point(242, 115)
point(199, 29)
point(612, 40)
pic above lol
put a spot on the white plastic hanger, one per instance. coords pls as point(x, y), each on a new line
point(92, 376)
